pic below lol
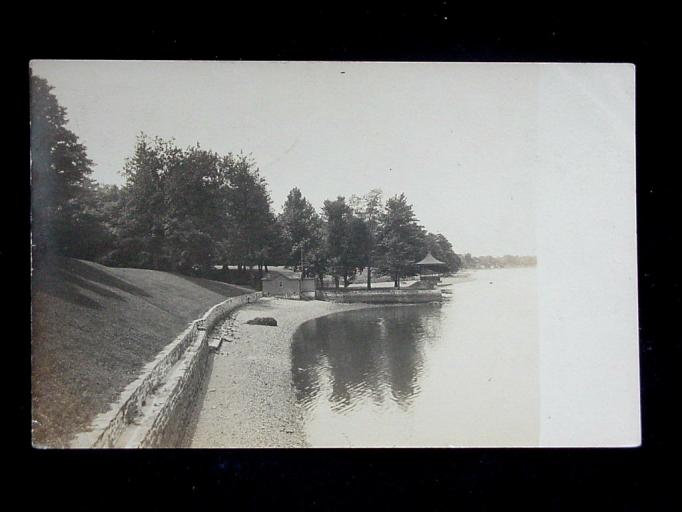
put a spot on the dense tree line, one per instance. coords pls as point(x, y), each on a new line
point(184, 209)
point(190, 209)
point(363, 234)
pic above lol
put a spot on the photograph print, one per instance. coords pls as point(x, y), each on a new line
point(333, 254)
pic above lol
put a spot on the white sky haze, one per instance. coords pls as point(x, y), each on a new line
point(459, 139)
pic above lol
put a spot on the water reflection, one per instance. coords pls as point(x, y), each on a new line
point(462, 373)
point(363, 356)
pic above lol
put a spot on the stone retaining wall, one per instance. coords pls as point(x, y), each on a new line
point(380, 295)
point(155, 409)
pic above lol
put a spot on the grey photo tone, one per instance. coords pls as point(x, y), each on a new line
point(332, 254)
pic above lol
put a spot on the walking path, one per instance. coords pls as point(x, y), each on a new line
point(250, 399)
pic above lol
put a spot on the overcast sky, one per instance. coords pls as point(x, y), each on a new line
point(460, 140)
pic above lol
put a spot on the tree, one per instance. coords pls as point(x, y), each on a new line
point(316, 257)
point(441, 249)
point(94, 222)
point(369, 208)
point(194, 219)
point(301, 228)
point(346, 240)
point(400, 239)
point(63, 200)
point(336, 217)
point(188, 209)
point(250, 235)
point(146, 219)
point(270, 243)
point(358, 248)
point(276, 250)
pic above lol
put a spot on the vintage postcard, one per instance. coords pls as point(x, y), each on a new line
point(333, 254)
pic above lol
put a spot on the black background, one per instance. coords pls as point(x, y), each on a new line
point(621, 479)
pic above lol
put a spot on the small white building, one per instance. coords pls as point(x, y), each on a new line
point(288, 284)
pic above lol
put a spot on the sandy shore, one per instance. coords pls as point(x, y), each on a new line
point(250, 399)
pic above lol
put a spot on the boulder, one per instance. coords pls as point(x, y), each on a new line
point(263, 320)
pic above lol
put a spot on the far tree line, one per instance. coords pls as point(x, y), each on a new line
point(506, 261)
point(190, 209)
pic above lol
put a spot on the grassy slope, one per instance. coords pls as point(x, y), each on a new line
point(94, 328)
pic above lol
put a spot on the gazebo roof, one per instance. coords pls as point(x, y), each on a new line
point(430, 260)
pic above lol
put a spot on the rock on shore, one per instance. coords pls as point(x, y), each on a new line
point(250, 400)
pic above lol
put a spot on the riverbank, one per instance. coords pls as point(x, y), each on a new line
point(94, 328)
point(249, 400)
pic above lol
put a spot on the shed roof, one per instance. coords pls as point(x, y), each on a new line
point(430, 260)
point(274, 274)
point(291, 276)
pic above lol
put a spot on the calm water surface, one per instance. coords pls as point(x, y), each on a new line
point(460, 373)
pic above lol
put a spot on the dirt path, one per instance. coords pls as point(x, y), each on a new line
point(250, 399)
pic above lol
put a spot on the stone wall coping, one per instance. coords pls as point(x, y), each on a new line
point(387, 296)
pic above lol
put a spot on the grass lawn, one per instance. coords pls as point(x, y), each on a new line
point(94, 328)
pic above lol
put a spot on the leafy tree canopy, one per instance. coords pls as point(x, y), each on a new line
point(400, 239)
point(64, 216)
point(301, 227)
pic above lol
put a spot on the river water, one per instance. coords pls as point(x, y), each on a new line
point(460, 373)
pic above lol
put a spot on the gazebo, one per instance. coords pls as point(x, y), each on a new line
point(431, 269)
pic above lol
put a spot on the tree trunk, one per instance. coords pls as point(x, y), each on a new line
point(396, 282)
point(345, 280)
point(369, 277)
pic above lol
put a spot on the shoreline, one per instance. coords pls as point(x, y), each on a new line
point(249, 400)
